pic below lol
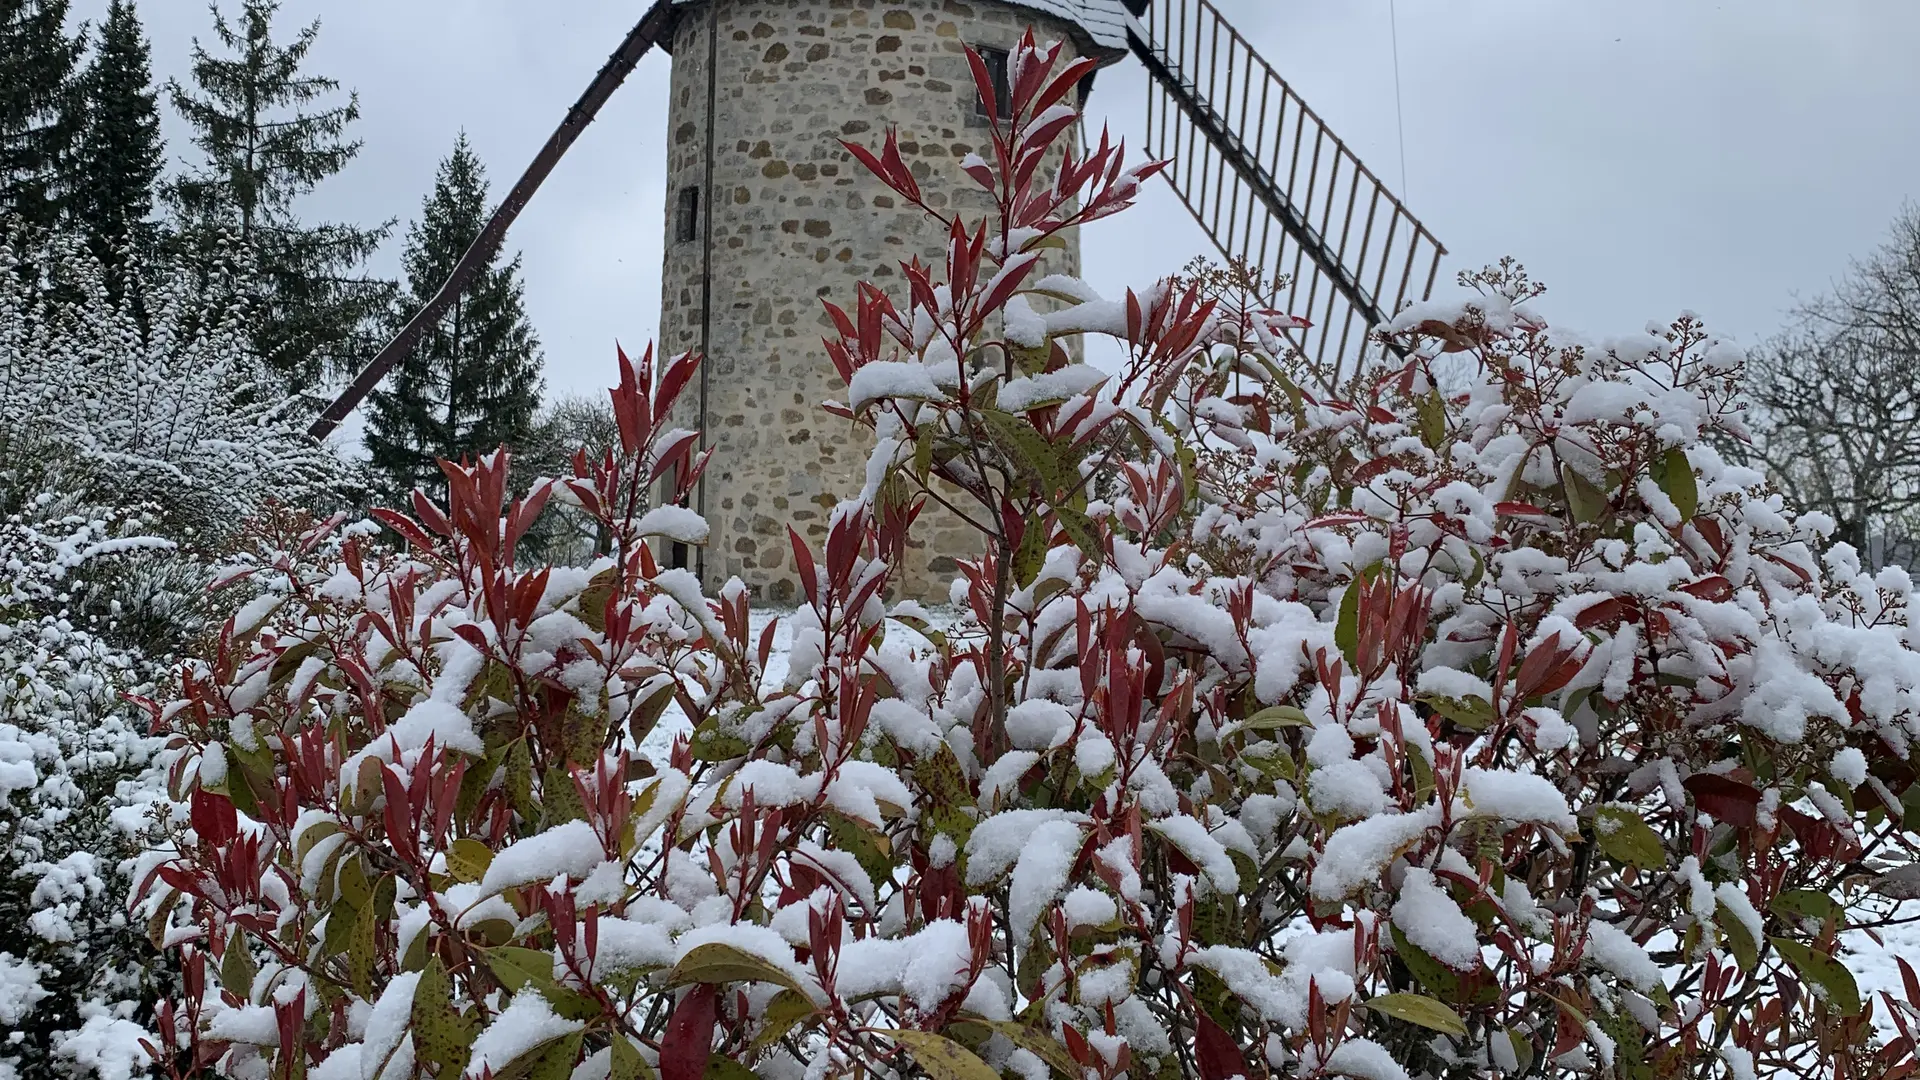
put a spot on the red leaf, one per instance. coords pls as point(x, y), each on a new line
point(213, 817)
point(430, 515)
point(689, 1038)
point(1714, 588)
point(1605, 611)
point(399, 523)
point(630, 411)
point(673, 381)
point(1534, 669)
point(1726, 799)
point(1219, 1056)
point(1518, 509)
point(803, 565)
point(1064, 82)
point(983, 82)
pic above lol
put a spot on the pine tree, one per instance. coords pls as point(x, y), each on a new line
point(268, 140)
point(473, 382)
point(39, 108)
point(119, 150)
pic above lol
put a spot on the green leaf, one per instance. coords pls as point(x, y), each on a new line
point(871, 849)
point(722, 1067)
point(516, 966)
point(1830, 976)
point(1808, 903)
point(1423, 784)
point(1474, 714)
point(341, 920)
point(468, 859)
point(441, 1034)
point(1626, 838)
point(1522, 1051)
point(366, 786)
point(1674, 474)
point(1427, 971)
point(559, 799)
point(923, 455)
point(312, 835)
point(719, 963)
point(1431, 410)
point(1029, 449)
point(289, 661)
point(586, 734)
point(1031, 557)
point(554, 1060)
point(951, 799)
point(1079, 528)
point(237, 967)
point(1586, 501)
point(1031, 1039)
point(355, 889)
point(783, 1014)
point(519, 780)
point(1419, 1009)
point(711, 744)
point(1346, 632)
point(627, 1062)
point(1276, 717)
point(641, 723)
point(1746, 951)
point(1217, 921)
point(363, 949)
point(938, 1056)
point(591, 605)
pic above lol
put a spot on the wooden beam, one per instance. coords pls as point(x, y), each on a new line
point(644, 36)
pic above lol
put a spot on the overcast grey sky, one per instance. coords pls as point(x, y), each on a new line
point(1640, 156)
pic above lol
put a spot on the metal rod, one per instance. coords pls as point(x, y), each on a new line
point(706, 269)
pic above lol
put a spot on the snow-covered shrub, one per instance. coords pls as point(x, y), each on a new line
point(75, 975)
point(137, 437)
point(1369, 731)
point(151, 403)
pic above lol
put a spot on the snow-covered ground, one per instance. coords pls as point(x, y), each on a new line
point(1874, 968)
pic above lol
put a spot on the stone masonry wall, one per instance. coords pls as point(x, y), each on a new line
point(797, 220)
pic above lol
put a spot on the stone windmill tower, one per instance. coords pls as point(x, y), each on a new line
point(767, 214)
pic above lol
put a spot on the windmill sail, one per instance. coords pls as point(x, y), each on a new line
point(639, 41)
point(1273, 186)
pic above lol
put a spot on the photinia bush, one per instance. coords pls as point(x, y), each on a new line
point(1473, 718)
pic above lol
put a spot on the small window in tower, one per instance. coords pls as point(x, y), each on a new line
point(996, 61)
point(686, 218)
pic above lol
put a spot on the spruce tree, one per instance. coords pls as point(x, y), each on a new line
point(473, 382)
point(39, 109)
point(270, 136)
point(119, 152)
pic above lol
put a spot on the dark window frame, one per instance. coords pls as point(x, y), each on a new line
point(686, 222)
point(998, 62)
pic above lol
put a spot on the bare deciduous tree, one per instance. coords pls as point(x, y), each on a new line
point(1836, 417)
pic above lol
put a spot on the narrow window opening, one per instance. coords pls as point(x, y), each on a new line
point(996, 61)
point(686, 218)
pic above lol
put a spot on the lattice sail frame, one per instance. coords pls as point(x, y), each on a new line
point(1274, 187)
